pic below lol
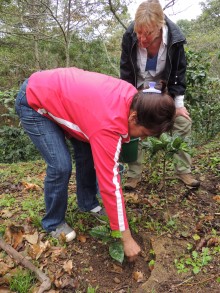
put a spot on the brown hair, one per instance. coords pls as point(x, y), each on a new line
point(149, 14)
point(154, 111)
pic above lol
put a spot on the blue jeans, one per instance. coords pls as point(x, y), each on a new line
point(50, 140)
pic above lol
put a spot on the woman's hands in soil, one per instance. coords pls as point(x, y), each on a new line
point(131, 248)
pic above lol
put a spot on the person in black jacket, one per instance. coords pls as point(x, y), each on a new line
point(153, 50)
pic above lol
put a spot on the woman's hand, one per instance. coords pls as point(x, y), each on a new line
point(131, 248)
point(183, 112)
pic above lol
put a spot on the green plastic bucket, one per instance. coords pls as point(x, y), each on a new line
point(129, 151)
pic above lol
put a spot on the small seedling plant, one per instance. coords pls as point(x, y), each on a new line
point(112, 238)
point(195, 262)
point(90, 289)
point(167, 146)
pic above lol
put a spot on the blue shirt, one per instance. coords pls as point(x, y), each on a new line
point(151, 63)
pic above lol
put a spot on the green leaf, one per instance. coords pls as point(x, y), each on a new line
point(165, 138)
point(116, 251)
point(196, 270)
point(116, 234)
point(189, 261)
point(195, 254)
point(153, 145)
point(189, 246)
point(196, 237)
point(176, 143)
point(151, 262)
point(100, 232)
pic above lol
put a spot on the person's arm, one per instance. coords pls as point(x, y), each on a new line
point(106, 147)
point(177, 83)
point(131, 248)
point(182, 111)
point(177, 77)
point(126, 66)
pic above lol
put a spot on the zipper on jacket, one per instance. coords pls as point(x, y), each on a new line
point(170, 60)
point(135, 76)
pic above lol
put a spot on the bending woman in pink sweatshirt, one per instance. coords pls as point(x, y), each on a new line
point(97, 113)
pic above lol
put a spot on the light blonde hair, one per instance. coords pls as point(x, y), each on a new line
point(149, 14)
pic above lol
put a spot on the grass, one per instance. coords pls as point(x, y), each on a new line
point(22, 281)
point(7, 200)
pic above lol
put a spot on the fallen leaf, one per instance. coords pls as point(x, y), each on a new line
point(208, 218)
point(77, 249)
point(117, 280)
point(131, 197)
point(217, 198)
point(14, 235)
point(32, 238)
point(82, 238)
point(4, 290)
point(117, 269)
point(68, 266)
point(138, 276)
point(36, 250)
point(6, 214)
point(58, 283)
point(62, 237)
point(57, 252)
point(214, 241)
point(66, 282)
point(9, 261)
point(201, 244)
point(31, 186)
point(4, 268)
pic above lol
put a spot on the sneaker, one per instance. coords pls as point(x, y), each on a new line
point(188, 179)
point(65, 230)
point(100, 214)
point(131, 183)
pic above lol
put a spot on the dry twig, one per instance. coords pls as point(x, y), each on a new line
point(46, 283)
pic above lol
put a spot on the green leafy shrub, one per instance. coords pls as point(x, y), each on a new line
point(15, 145)
point(202, 97)
point(7, 101)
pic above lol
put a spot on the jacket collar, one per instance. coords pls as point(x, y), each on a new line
point(174, 32)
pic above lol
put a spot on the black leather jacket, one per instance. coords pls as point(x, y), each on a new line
point(175, 68)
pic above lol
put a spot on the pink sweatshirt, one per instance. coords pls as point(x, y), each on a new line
point(94, 108)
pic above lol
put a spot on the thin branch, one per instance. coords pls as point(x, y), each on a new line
point(169, 4)
point(45, 281)
point(203, 281)
point(115, 15)
point(182, 283)
point(55, 18)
